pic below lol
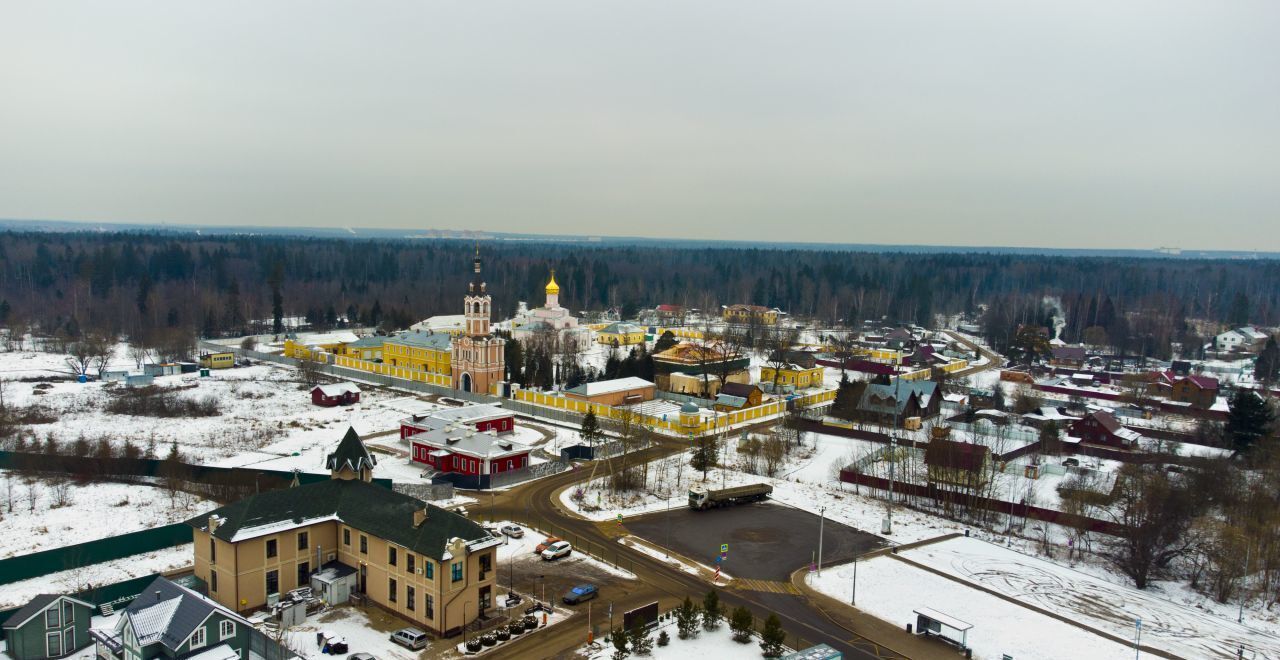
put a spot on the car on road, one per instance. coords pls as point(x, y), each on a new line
point(411, 638)
point(557, 550)
point(580, 593)
point(514, 531)
point(550, 540)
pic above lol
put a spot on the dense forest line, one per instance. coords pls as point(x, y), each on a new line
point(130, 282)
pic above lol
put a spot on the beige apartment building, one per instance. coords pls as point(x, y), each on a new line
point(433, 567)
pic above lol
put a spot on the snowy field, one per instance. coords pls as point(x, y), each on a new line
point(266, 418)
point(63, 511)
point(1185, 631)
point(890, 589)
point(16, 594)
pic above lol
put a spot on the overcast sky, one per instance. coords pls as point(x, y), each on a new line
point(1060, 124)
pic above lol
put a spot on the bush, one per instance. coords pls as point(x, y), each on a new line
point(156, 402)
point(516, 628)
point(663, 638)
point(740, 623)
point(504, 633)
point(473, 645)
point(488, 639)
point(640, 642)
point(530, 622)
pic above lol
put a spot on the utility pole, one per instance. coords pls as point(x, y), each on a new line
point(853, 599)
point(893, 453)
point(822, 519)
point(1247, 550)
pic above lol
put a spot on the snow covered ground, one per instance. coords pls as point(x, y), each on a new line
point(804, 482)
point(890, 589)
point(1086, 597)
point(49, 523)
point(18, 593)
point(514, 549)
point(715, 644)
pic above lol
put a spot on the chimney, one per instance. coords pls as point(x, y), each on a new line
point(214, 521)
point(420, 516)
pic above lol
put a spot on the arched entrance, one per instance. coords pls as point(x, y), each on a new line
point(465, 382)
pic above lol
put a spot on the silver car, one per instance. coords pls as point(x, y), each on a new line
point(514, 531)
point(411, 638)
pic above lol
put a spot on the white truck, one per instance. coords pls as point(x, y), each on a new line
point(701, 498)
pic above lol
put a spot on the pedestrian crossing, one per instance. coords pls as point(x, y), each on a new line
point(770, 586)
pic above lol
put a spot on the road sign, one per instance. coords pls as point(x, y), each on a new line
point(619, 518)
point(724, 548)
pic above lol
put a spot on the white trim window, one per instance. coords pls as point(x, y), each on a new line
point(53, 644)
point(52, 619)
point(226, 629)
point(197, 639)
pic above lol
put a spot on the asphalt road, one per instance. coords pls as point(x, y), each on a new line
point(766, 541)
point(533, 504)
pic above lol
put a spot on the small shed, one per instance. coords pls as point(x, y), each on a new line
point(49, 626)
point(113, 375)
point(334, 583)
point(139, 380)
point(932, 623)
point(335, 394)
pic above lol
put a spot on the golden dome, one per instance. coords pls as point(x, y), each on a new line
point(552, 287)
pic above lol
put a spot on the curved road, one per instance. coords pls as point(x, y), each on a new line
point(537, 504)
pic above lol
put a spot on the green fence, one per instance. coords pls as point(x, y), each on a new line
point(94, 467)
point(24, 567)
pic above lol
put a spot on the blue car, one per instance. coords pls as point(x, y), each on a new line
point(580, 593)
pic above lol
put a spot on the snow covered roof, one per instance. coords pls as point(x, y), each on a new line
point(610, 386)
point(439, 341)
point(351, 454)
point(167, 612)
point(469, 442)
point(337, 389)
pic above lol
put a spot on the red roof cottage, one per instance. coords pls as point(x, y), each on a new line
point(480, 418)
point(463, 450)
point(335, 394)
point(1102, 428)
point(1199, 391)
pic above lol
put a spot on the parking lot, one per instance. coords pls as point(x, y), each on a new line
point(766, 541)
point(518, 565)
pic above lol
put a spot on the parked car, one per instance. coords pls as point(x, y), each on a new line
point(362, 656)
point(580, 593)
point(550, 540)
point(557, 550)
point(514, 531)
point(410, 638)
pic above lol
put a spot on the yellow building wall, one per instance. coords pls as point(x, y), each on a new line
point(799, 378)
point(417, 358)
point(622, 338)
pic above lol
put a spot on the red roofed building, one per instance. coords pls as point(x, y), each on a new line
point(1199, 391)
point(1102, 428)
point(480, 418)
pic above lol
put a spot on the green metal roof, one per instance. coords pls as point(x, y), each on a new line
point(371, 509)
point(351, 454)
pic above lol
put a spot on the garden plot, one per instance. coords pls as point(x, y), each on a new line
point(38, 513)
point(1096, 602)
point(718, 644)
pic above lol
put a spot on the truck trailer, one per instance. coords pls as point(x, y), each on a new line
point(706, 498)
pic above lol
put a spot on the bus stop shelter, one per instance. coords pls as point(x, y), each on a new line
point(933, 623)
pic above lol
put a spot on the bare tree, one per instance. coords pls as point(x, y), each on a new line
point(139, 351)
point(1154, 510)
point(90, 351)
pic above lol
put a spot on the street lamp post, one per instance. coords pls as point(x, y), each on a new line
point(853, 599)
point(464, 622)
point(1137, 640)
point(822, 519)
point(893, 453)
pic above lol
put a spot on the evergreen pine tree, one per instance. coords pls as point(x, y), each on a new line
point(619, 638)
point(1248, 420)
point(711, 610)
point(687, 619)
point(640, 642)
point(1267, 369)
point(590, 428)
point(740, 623)
point(772, 637)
